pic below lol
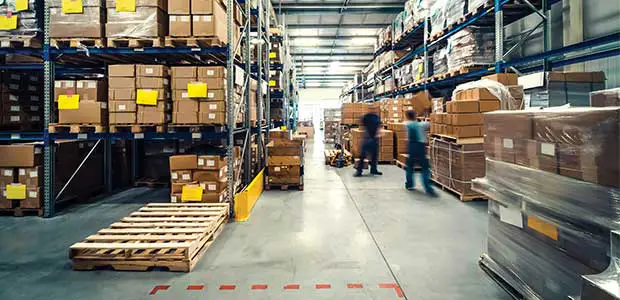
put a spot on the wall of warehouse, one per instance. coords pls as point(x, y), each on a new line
point(599, 18)
point(312, 102)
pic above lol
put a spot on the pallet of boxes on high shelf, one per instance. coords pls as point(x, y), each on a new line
point(139, 98)
point(77, 23)
point(23, 24)
point(285, 161)
point(21, 101)
point(456, 146)
point(200, 23)
point(553, 179)
point(82, 106)
point(143, 23)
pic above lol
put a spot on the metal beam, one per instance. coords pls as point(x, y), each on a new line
point(336, 26)
point(334, 54)
point(341, 48)
point(320, 9)
point(335, 58)
point(333, 37)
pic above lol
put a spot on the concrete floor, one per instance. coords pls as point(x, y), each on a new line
point(341, 238)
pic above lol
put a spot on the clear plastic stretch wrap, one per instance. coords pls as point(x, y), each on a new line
point(474, 4)
point(455, 9)
point(440, 61)
point(145, 22)
point(605, 286)
point(604, 98)
point(29, 22)
point(417, 69)
point(495, 88)
point(438, 16)
point(87, 24)
point(472, 46)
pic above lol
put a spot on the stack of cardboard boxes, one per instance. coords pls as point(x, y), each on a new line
point(385, 140)
point(285, 161)
point(81, 102)
point(604, 98)
point(551, 89)
point(201, 18)
point(139, 94)
point(77, 19)
point(352, 113)
point(401, 141)
point(199, 95)
point(454, 165)
point(198, 178)
point(395, 110)
point(553, 177)
point(21, 100)
point(141, 19)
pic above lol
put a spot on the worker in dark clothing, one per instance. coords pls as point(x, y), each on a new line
point(416, 133)
point(370, 144)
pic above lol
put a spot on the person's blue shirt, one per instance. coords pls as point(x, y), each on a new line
point(416, 131)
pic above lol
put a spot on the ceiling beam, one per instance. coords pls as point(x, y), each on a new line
point(344, 75)
point(319, 9)
point(334, 54)
point(333, 37)
point(336, 26)
point(336, 59)
point(336, 48)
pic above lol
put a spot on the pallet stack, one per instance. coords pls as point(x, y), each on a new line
point(21, 102)
point(385, 138)
point(27, 29)
point(198, 178)
point(352, 113)
point(199, 95)
point(142, 24)
point(553, 181)
point(200, 23)
point(285, 161)
point(76, 23)
point(82, 105)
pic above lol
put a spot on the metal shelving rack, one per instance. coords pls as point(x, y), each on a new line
point(499, 14)
point(224, 54)
point(288, 92)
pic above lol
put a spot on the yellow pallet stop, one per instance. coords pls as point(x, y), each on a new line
point(244, 201)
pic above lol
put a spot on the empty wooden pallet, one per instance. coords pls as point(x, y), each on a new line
point(172, 236)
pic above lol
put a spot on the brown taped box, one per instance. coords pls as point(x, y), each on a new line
point(181, 95)
point(21, 155)
point(499, 148)
point(30, 176)
point(153, 117)
point(284, 160)
point(292, 150)
point(210, 175)
point(122, 71)
point(579, 163)
point(219, 106)
point(213, 25)
point(216, 95)
point(163, 4)
point(465, 131)
point(64, 87)
point(180, 83)
point(152, 71)
point(466, 119)
point(121, 83)
point(284, 180)
point(509, 124)
point(490, 105)
point(213, 82)
point(152, 82)
point(87, 113)
point(480, 94)
point(465, 106)
point(184, 162)
point(186, 106)
point(217, 118)
point(185, 118)
point(162, 94)
point(182, 176)
point(179, 7)
point(184, 72)
point(177, 187)
point(205, 7)
point(8, 176)
point(285, 171)
point(504, 78)
point(180, 25)
point(459, 162)
point(214, 186)
point(123, 118)
point(212, 162)
point(214, 197)
point(91, 90)
point(123, 106)
point(212, 72)
point(88, 24)
point(605, 98)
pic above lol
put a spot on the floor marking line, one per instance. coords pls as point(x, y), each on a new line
point(394, 286)
point(227, 287)
point(259, 287)
point(195, 287)
point(322, 286)
point(158, 288)
point(291, 287)
point(355, 286)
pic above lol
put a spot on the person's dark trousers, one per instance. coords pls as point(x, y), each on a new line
point(417, 156)
point(369, 148)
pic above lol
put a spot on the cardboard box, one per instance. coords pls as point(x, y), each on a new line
point(185, 117)
point(504, 78)
point(285, 171)
point(216, 106)
point(490, 105)
point(211, 162)
point(180, 83)
point(183, 162)
point(30, 176)
point(182, 176)
point(214, 82)
point(64, 87)
point(121, 70)
point(123, 106)
point(21, 155)
point(184, 72)
point(509, 124)
point(152, 71)
point(466, 119)
point(465, 106)
point(466, 131)
point(91, 90)
point(211, 72)
point(7, 176)
point(122, 94)
point(218, 118)
point(87, 113)
point(214, 186)
point(123, 118)
point(180, 26)
point(180, 95)
point(152, 82)
point(149, 117)
point(177, 188)
point(205, 7)
point(214, 197)
point(121, 83)
point(213, 25)
point(480, 94)
point(187, 106)
point(291, 160)
point(179, 7)
point(210, 175)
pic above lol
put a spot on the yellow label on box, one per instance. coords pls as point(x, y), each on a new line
point(272, 55)
point(191, 193)
point(197, 90)
point(126, 5)
point(272, 83)
point(72, 6)
point(21, 5)
point(283, 128)
point(66, 102)
point(543, 227)
point(147, 97)
point(15, 192)
point(8, 23)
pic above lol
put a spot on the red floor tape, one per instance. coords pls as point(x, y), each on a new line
point(158, 288)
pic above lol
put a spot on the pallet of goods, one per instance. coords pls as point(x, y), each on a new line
point(199, 178)
point(170, 236)
point(24, 25)
point(144, 24)
point(199, 96)
point(200, 23)
point(551, 89)
point(385, 139)
point(553, 177)
point(334, 157)
point(82, 106)
point(285, 161)
point(21, 95)
point(352, 113)
point(77, 23)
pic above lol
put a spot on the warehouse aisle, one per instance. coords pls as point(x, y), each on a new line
point(313, 244)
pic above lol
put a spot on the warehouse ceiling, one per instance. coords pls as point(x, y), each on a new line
point(331, 40)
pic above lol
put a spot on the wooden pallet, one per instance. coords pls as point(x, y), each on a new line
point(77, 128)
point(173, 236)
point(20, 212)
point(331, 157)
point(459, 141)
point(403, 166)
point(136, 42)
point(77, 42)
point(151, 183)
point(138, 128)
point(203, 42)
point(284, 187)
point(20, 42)
point(459, 195)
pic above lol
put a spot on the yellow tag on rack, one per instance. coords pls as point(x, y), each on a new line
point(15, 192)
point(191, 193)
point(272, 83)
point(8, 23)
point(72, 7)
point(66, 102)
point(197, 90)
point(126, 5)
point(147, 97)
point(272, 55)
point(21, 5)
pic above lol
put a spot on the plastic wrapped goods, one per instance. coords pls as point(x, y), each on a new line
point(605, 286)
point(440, 61)
point(149, 20)
point(28, 21)
point(472, 46)
point(438, 16)
point(85, 22)
point(473, 5)
point(605, 98)
point(551, 89)
point(495, 89)
point(454, 10)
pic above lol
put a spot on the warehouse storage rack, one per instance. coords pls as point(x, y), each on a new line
point(417, 43)
point(90, 60)
point(287, 94)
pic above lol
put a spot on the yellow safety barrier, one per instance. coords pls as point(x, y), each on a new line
point(244, 201)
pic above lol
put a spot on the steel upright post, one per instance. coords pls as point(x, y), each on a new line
point(48, 144)
point(499, 36)
point(230, 100)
